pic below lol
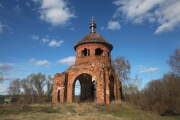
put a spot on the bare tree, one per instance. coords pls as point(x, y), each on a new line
point(38, 82)
point(161, 96)
point(174, 62)
point(33, 88)
point(27, 86)
point(122, 68)
point(49, 85)
point(15, 87)
point(130, 89)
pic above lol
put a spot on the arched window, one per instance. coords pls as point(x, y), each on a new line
point(98, 51)
point(85, 52)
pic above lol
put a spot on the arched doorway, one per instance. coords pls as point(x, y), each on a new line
point(112, 97)
point(84, 88)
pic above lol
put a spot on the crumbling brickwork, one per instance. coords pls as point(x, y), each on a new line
point(94, 71)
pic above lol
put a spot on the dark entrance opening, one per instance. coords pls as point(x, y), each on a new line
point(112, 97)
point(84, 89)
point(58, 97)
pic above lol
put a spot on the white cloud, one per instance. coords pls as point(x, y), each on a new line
point(143, 69)
point(32, 60)
point(55, 12)
point(5, 28)
point(151, 69)
point(40, 63)
point(114, 25)
point(47, 41)
point(165, 13)
point(5, 67)
point(55, 43)
point(67, 61)
point(35, 37)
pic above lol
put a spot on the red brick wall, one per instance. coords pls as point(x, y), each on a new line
point(99, 67)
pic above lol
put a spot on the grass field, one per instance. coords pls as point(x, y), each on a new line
point(77, 112)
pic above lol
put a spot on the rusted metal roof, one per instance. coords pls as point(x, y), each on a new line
point(93, 38)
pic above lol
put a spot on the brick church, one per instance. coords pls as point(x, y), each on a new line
point(93, 70)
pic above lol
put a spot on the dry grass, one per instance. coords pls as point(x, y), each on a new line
point(76, 112)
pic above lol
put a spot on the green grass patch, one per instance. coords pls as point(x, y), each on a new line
point(85, 111)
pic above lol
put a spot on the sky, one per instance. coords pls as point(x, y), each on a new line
point(39, 35)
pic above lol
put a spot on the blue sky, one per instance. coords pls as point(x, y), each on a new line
point(38, 35)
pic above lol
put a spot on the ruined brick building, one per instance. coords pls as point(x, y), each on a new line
point(94, 71)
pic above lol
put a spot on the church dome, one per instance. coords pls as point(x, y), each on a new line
point(93, 37)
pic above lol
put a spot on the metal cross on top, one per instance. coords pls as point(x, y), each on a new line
point(92, 26)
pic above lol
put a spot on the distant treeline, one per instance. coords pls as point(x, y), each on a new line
point(35, 88)
point(161, 96)
point(23, 99)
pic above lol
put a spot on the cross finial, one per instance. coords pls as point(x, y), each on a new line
point(93, 21)
point(92, 26)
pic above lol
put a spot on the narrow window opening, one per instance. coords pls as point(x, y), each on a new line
point(59, 94)
point(84, 52)
point(108, 54)
point(98, 52)
point(112, 95)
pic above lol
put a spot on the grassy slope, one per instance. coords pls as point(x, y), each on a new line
point(76, 112)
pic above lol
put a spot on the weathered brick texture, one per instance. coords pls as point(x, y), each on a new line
point(92, 68)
